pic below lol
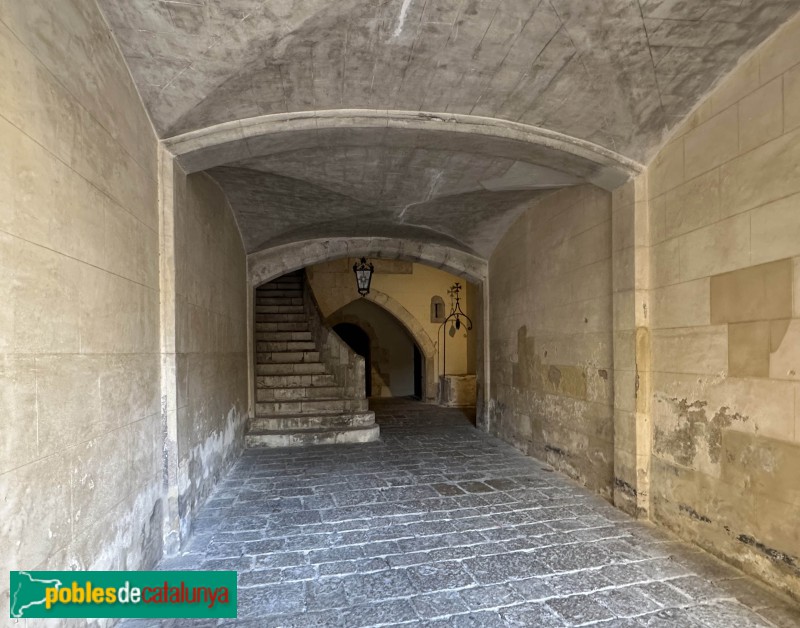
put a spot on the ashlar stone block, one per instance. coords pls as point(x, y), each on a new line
point(756, 293)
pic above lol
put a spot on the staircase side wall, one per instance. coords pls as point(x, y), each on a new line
point(342, 362)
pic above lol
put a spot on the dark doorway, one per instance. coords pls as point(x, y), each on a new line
point(417, 372)
point(358, 340)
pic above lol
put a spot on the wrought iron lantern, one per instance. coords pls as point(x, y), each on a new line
point(363, 271)
point(457, 320)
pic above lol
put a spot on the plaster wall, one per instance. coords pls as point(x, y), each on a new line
point(391, 348)
point(211, 340)
point(80, 444)
point(550, 317)
point(410, 284)
point(724, 224)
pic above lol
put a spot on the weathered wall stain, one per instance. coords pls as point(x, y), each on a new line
point(696, 428)
point(552, 339)
point(691, 512)
point(201, 468)
point(625, 487)
point(211, 361)
point(772, 554)
point(556, 450)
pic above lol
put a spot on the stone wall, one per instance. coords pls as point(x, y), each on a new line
point(391, 348)
point(80, 444)
point(724, 224)
point(211, 340)
point(551, 390)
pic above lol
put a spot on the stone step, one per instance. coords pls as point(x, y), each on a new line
point(287, 357)
point(283, 336)
point(309, 406)
point(285, 345)
point(278, 289)
point(282, 318)
point(297, 393)
point(269, 326)
point(304, 368)
point(282, 292)
point(262, 302)
point(296, 275)
point(291, 381)
point(298, 402)
point(280, 309)
point(312, 422)
point(303, 438)
point(291, 284)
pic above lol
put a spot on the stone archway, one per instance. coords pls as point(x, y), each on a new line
point(409, 322)
point(273, 133)
point(265, 265)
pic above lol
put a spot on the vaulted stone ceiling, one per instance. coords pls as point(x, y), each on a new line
point(612, 74)
point(455, 198)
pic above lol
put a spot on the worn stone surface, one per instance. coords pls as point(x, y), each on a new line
point(552, 387)
point(210, 340)
point(441, 524)
point(80, 484)
point(457, 390)
point(725, 353)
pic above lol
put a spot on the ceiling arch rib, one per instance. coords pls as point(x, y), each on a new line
point(267, 264)
point(446, 179)
point(273, 134)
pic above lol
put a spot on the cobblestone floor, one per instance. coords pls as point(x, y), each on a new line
point(440, 525)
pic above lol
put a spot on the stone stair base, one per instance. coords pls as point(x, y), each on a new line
point(304, 438)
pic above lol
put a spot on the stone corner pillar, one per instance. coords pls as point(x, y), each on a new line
point(632, 355)
point(171, 182)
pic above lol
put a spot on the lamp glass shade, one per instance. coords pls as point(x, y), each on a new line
point(363, 272)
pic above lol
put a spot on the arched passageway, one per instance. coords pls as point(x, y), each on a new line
point(645, 342)
point(395, 366)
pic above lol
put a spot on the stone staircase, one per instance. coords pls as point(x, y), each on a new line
point(309, 384)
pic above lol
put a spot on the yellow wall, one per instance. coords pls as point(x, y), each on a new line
point(412, 288)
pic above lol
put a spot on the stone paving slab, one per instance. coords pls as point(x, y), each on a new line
point(440, 525)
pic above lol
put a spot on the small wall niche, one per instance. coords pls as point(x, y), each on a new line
point(437, 309)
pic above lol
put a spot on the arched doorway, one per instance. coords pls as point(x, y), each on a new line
point(358, 340)
point(396, 363)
